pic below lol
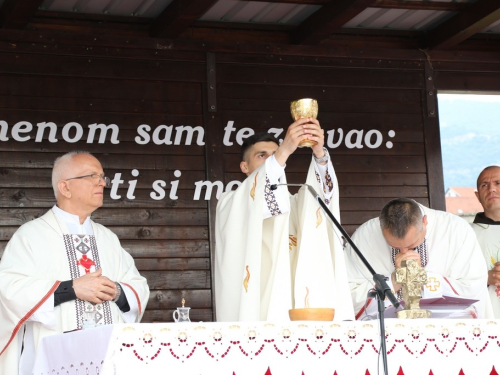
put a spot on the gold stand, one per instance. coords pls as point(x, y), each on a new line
point(411, 277)
point(413, 314)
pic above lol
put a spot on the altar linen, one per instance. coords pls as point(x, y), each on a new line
point(454, 263)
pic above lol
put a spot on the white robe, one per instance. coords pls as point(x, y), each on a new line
point(488, 237)
point(266, 266)
point(455, 266)
point(32, 267)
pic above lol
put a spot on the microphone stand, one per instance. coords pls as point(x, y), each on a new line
point(382, 289)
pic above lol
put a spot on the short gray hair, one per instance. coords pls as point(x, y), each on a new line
point(399, 215)
point(62, 168)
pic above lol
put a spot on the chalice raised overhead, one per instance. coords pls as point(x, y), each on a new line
point(304, 108)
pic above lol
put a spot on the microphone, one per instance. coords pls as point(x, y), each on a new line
point(309, 187)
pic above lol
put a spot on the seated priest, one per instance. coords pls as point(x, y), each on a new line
point(275, 251)
point(61, 268)
point(443, 244)
point(487, 227)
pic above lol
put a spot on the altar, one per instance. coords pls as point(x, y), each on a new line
point(286, 348)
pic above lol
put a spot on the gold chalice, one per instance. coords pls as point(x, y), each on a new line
point(304, 108)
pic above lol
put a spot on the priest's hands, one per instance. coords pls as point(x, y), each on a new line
point(494, 275)
point(407, 255)
point(94, 288)
point(316, 134)
point(305, 128)
point(398, 259)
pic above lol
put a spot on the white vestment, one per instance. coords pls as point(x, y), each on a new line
point(455, 265)
point(33, 265)
point(266, 266)
point(488, 237)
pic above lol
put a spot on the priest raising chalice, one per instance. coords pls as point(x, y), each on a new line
point(276, 251)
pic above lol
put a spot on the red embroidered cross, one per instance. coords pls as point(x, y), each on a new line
point(86, 263)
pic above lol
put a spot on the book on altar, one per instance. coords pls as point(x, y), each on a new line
point(444, 307)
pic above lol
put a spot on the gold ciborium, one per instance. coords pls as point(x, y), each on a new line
point(304, 108)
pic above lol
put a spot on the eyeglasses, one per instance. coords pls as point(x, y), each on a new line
point(96, 178)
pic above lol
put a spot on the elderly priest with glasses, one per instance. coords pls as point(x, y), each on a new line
point(63, 271)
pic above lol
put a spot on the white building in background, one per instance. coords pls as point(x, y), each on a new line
point(462, 201)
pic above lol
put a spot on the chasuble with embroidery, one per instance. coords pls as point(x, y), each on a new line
point(488, 236)
point(41, 254)
point(450, 255)
point(275, 251)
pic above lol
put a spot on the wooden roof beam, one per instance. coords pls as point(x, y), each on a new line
point(419, 5)
point(178, 16)
point(329, 18)
point(305, 2)
point(465, 24)
point(16, 14)
point(388, 4)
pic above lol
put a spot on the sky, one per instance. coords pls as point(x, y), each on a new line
point(470, 136)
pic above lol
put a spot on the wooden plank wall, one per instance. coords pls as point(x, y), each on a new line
point(172, 240)
point(350, 97)
point(168, 238)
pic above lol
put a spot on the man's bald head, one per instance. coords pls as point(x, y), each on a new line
point(488, 191)
point(79, 183)
point(62, 169)
point(490, 168)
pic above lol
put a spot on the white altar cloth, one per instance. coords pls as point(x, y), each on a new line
point(78, 352)
point(450, 347)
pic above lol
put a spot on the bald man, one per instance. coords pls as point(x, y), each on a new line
point(62, 271)
point(487, 227)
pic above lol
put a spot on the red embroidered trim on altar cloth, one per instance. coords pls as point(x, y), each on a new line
point(31, 312)
point(263, 348)
point(400, 372)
